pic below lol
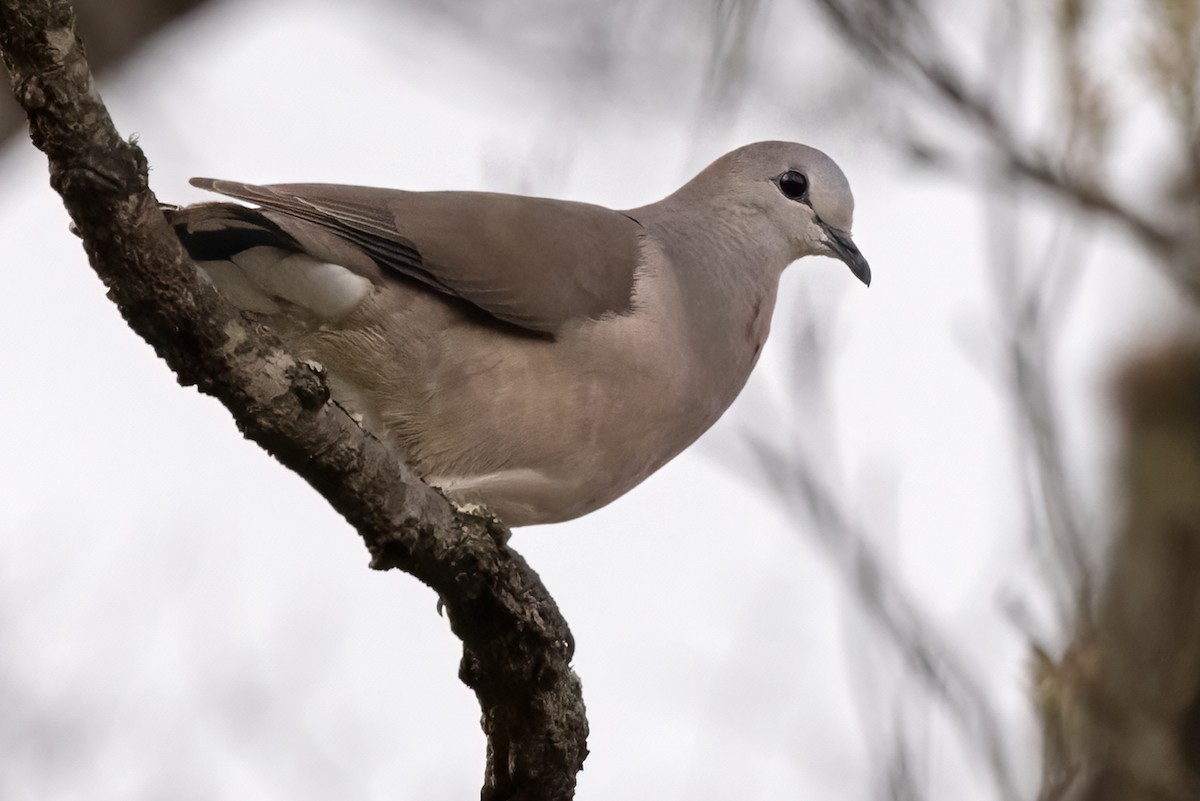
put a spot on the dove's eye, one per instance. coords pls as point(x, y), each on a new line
point(793, 184)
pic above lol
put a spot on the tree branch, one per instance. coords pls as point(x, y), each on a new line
point(516, 646)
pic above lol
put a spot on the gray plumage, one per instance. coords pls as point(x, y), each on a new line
point(540, 357)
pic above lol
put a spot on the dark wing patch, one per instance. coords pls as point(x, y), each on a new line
point(372, 230)
point(218, 231)
point(533, 262)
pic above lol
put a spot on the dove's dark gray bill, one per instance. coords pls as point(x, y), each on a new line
point(848, 252)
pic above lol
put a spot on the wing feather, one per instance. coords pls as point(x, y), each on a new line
point(534, 262)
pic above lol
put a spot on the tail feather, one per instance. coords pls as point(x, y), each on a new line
point(260, 268)
point(219, 231)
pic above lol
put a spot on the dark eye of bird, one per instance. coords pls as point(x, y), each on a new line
point(793, 184)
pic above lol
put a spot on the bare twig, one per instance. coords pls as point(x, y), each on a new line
point(1033, 305)
point(899, 36)
point(798, 485)
point(516, 646)
point(792, 473)
point(1030, 318)
point(734, 32)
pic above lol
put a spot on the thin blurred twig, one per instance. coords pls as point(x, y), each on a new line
point(801, 484)
point(1031, 318)
point(899, 36)
point(734, 38)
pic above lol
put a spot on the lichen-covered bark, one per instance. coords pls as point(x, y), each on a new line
point(516, 646)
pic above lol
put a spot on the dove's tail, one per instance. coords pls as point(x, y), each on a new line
point(261, 269)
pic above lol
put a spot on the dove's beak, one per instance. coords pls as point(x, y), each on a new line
point(842, 246)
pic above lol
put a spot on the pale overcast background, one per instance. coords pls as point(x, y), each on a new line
point(182, 618)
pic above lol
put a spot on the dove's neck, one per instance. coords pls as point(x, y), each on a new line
point(722, 252)
point(726, 267)
point(720, 232)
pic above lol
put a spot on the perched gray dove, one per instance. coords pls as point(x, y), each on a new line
point(538, 357)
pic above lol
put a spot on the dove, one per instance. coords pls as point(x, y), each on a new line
point(537, 357)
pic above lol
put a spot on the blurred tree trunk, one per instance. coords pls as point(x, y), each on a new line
point(1121, 711)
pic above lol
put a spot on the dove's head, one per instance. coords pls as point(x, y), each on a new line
point(793, 192)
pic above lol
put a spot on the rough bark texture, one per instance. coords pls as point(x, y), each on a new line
point(516, 646)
